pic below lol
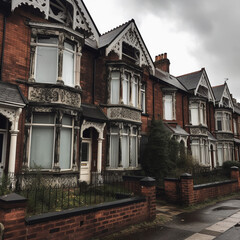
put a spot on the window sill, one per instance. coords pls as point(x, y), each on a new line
point(123, 169)
point(122, 106)
point(50, 85)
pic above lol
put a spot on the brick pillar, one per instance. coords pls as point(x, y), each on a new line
point(235, 174)
point(186, 186)
point(148, 189)
point(171, 188)
point(12, 216)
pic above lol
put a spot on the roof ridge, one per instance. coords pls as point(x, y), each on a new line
point(190, 73)
point(117, 27)
point(218, 86)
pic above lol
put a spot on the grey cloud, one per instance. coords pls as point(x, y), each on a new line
point(214, 24)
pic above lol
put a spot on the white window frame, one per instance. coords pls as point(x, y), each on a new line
point(173, 114)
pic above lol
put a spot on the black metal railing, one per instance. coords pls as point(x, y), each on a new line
point(48, 193)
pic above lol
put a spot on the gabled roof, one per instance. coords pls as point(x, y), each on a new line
point(218, 92)
point(10, 94)
point(221, 92)
point(129, 34)
point(93, 112)
point(190, 81)
point(195, 82)
point(177, 130)
point(107, 38)
point(169, 79)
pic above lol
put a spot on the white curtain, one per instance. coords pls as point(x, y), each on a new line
point(168, 107)
point(135, 92)
point(46, 64)
point(194, 114)
point(42, 147)
point(133, 151)
point(115, 87)
point(125, 89)
point(125, 151)
point(65, 148)
point(68, 65)
point(114, 151)
point(195, 150)
point(220, 154)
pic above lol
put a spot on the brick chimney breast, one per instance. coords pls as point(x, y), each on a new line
point(162, 62)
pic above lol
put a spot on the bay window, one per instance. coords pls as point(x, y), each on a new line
point(224, 121)
point(123, 147)
point(43, 141)
point(55, 61)
point(124, 88)
point(197, 113)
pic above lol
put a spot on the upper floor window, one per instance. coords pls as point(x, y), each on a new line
point(55, 54)
point(48, 59)
point(224, 121)
point(143, 98)
point(124, 89)
point(197, 113)
point(169, 106)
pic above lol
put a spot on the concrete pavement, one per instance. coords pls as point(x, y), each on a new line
point(220, 221)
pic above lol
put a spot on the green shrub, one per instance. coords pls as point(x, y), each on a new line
point(228, 164)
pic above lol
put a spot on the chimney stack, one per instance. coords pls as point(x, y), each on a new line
point(162, 62)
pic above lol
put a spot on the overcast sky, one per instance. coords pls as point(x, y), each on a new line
point(194, 33)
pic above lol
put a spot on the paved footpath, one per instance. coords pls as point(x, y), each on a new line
point(220, 221)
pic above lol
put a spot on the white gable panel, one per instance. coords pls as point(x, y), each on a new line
point(204, 82)
point(59, 12)
point(226, 94)
point(131, 36)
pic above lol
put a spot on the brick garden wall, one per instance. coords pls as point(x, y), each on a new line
point(182, 190)
point(79, 223)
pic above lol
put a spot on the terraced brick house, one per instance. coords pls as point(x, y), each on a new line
point(75, 103)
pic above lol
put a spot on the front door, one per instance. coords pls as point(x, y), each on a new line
point(85, 174)
point(2, 151)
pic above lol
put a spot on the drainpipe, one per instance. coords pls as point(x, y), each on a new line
point(153, 101)
point(94, 78)
point(3, 45)
point(183, 120)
